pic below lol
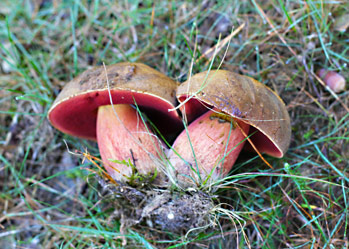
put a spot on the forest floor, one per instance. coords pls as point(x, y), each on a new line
point(50, 197)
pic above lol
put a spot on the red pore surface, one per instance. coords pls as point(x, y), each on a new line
point(127, 140)
point(216, 141)
point(194, 108)
point(77, 115)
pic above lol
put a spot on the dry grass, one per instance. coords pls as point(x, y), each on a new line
point(48, 199)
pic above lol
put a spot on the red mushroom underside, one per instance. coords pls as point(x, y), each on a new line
point(77, 115)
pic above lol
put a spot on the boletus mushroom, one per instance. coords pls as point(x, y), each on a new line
point(224, 108)
point(84, 109)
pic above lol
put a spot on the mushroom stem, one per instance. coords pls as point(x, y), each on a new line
point(125, 143)
point(209, 149)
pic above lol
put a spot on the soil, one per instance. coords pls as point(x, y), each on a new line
point(168, 210)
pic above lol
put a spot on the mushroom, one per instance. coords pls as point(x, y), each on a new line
point(332, 79)
point(226, 108)
point(84, 109)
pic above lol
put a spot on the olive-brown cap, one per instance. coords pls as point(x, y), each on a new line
point(244, 98)
point(75, 110)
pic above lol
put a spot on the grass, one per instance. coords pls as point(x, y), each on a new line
point(48, 199)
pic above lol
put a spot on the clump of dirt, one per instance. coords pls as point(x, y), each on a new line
point(181, 212)
point(168, 210)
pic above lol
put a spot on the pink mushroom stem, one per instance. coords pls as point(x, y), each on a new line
point(126, 143)
point(209, 147)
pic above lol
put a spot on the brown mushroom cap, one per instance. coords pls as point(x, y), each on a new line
point(243, 98)
point(75, 110)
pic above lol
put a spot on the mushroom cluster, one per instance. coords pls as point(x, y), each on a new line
point(223, 111)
